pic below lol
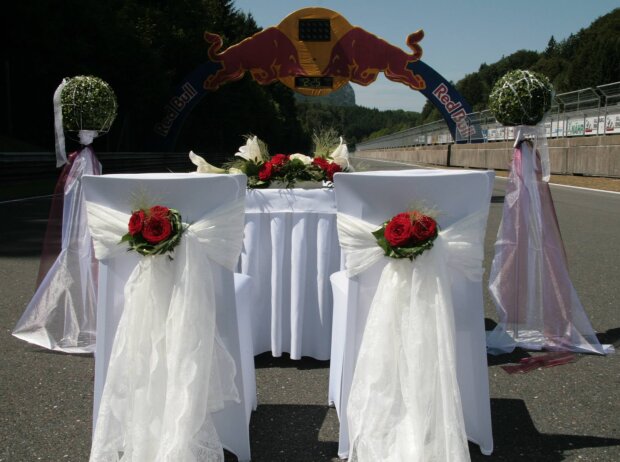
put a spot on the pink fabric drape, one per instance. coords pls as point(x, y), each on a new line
point(537, 305)
point(61, 313)
point(52, 242)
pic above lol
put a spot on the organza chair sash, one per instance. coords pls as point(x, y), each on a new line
point(168, 368)
point(405, 402)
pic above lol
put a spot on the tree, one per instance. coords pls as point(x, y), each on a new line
point(552, 47)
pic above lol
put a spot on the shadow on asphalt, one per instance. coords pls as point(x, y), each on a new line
point(516, 438)
point(612, 336)
point(300, 424)
point(265, 360)
point(28, 220)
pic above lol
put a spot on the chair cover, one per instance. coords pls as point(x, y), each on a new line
point(170, 370)
point(61, 314)
point(403, 401)
point(536, 302)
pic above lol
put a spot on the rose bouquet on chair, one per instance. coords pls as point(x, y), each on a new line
point(407, 234)
point(154, 231)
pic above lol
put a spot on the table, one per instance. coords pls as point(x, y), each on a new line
point(290, 250)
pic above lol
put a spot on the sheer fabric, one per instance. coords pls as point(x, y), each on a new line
point(168, 368)
point(537, 304)
point(405, 402)
point(61, 314)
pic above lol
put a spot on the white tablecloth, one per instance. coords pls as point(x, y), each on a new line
point(290, 250)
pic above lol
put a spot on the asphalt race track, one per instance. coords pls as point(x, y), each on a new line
point(564, 413)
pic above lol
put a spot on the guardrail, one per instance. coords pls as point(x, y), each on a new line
point(586, 112)
point(25, 166)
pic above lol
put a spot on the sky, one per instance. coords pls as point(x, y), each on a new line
point(459, 35)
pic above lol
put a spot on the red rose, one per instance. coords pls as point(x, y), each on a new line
point(398, 230)
point(156, 229)
point(331, 169)
point(424, 228)
point(323, 164)
point(136, 222)
point(265, 171)
point(159, 210)
point(279, 160)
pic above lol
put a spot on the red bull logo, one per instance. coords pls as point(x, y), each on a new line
point(360, 56)
point(454, 109)
point(268, 55)
point(351, 54)
point(315, 51)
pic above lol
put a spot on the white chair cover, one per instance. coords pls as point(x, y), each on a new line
point(169, 369)
point(61, 314)
point(403, 402)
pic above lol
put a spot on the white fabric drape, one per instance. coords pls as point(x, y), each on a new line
point(168, 368)
point(405, 402)
point(61, 313)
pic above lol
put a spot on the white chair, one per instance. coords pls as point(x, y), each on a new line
point(375, 197)
point(193, 195)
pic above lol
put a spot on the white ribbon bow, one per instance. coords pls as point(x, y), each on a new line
point(168, 368)
point(405, 402)
point(539, 136)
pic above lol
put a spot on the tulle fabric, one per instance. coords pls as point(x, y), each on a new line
point(537, 304)
point(169, 369)
point(405, 402)
point(61, 314)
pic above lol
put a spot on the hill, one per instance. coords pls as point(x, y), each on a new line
point(587, 58)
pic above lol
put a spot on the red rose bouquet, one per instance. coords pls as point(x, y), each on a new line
point(407, 234)
point(154, 231)
point(287, 170)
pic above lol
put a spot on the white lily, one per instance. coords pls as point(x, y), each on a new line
point(234, 170)
point(251, 150)
point(305, 159)
point(203, 165)
point(340, 155)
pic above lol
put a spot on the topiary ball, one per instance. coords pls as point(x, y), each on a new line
point(521, 98)
point(88, 103)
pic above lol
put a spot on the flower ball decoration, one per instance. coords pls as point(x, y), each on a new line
point(88, 103)
point(521, 98)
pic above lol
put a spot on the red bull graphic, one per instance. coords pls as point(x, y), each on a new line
point(175, 106)
point(350, 54)
point(269, 55)
point(359, 56)
point(314, 51)
point(455, 110)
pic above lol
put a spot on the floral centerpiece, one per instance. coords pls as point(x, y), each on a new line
point(154, 230)
point(407, 234)
point(283, 170)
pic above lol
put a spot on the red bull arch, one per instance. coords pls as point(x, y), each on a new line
point(314, 51)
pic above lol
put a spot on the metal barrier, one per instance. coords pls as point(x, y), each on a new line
point(26, 166)
point(585, 112)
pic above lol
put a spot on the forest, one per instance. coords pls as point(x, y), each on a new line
point(144, 48)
